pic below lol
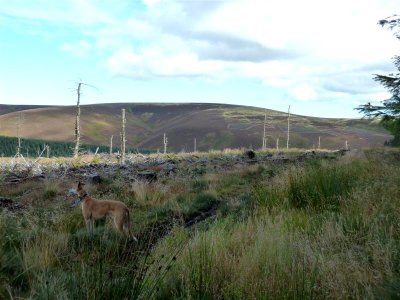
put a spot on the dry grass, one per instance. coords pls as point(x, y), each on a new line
point(149, 193)
point(348, 252)
point(318, 229)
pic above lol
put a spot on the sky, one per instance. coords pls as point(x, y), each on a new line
point(317, 56)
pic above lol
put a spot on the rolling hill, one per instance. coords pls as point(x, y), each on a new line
point(215, 126)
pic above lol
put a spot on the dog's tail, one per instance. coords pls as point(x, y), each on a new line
point(127, 223)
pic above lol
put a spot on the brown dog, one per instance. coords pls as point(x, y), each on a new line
point(95, 209)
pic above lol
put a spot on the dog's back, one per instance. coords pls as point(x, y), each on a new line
point(100, 208)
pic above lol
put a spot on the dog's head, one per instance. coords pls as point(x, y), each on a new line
point(80, 188)
point(81, 192)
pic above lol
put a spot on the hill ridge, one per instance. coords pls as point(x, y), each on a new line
point(214, 125)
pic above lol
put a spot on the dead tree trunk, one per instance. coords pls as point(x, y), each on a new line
point(165, 143)
point(111, 144)
point(18, 147)
point(288, 128)
point(123, 137)
point(264, 140)
point(195, 145)
point(78, 119)
point(77, 122)
point(19, 124)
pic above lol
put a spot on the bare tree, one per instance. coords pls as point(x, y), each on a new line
point(195, 145)
point(78, 118)
point(165, 140)
point(111, 144)
point(123, 137)
point(19, 125)
point(319, 142)
point(288, 128)
point(277, 144)
point(264, 140)
point(77, 121)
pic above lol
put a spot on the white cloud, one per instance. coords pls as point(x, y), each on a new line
point(323, 37)
point(152, 62)
point(303, 93)
point(151, 2)
point(79, 49)
point(327, 29)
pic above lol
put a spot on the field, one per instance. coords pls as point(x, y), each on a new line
point(217, 225)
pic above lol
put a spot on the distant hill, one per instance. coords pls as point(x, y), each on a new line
point(215, 126)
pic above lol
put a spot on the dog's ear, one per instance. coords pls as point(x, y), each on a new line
point(80, 185)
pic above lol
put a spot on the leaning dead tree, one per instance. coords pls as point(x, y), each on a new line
point(123, 137)
point(288, 128)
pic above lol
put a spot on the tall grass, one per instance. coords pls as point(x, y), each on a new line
point(320, 186)
point(331, 231)
point(59, 261)
point(319, 229)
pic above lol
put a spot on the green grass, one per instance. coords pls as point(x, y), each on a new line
point(60, 260)
point(321, 186)
point(312, 230)
point(342, 241)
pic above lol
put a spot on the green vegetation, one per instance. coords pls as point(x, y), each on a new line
point(388, 112)
point(33, 147)
point(316, 228)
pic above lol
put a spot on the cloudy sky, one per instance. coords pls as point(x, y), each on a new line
point(318, 56)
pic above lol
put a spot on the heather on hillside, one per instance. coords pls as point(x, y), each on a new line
point(214, 126)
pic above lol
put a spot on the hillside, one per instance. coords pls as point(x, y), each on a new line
point(215, 126)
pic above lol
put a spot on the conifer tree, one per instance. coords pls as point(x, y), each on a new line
point(388, 111)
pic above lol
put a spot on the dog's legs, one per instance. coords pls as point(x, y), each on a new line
point(127, 225)
point(87, 221)
point(119, 223)
point(89, 226)
point(122, 224)
point(129, 232)
point(92, 227)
